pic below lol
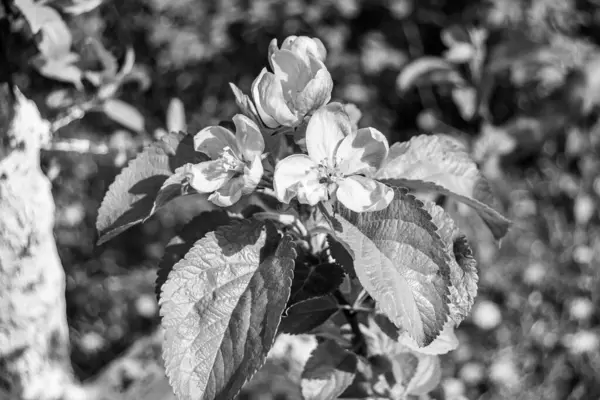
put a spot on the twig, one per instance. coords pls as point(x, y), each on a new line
point(72, 114)
point(78, 146)
point(358, 340)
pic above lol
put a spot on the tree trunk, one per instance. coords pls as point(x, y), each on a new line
point(34, 336)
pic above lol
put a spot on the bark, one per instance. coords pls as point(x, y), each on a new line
point(34, 342)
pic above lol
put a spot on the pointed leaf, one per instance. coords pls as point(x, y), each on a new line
point(342, 254)
point(221, 307)
point(181, 244)
point(401, 262)
point(328, 372)
point(424, 66)
point(61, 69)
point(315, 280)
point(307, 315)
point(463, 267)
point(437, 164)
point(56, 39)
point(125, 114)
point(130, 198)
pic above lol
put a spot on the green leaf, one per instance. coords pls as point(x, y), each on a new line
point(328, 372)
point(342, 254)
point(437, 164)
point(401, 262)
point(175, 186)
point(125, 114)
point(62, 69)
point(463, 267)
point(55, 40)
point(315, 280)
point(176, 116)
point(307, 315)
point(422, 67)
point(179, 245)
point(79, 7)
point(130, 198)
point(220, 309)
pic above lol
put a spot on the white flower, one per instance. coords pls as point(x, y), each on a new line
point(235, 167)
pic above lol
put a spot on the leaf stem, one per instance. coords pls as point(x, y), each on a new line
point(358, 340)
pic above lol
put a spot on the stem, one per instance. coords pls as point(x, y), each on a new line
point(358, 340)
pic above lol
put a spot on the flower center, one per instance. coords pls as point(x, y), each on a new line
point(230, 161)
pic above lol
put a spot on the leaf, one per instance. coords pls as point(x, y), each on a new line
point(401, 263)
point(130, 198)
point(304, 316)
point(328, 372)
point(61, 69)
point(220, 311)
point(175, 186)
point(179, 245)
point(82, 6)
point(56, 38)
point(434, 163)
point(426, 376)
point(463, 267)
point(415, 70)
point(176, 116)
point(342, 254)
point(315, 280)
point(125, 114)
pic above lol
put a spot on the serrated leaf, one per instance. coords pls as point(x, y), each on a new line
point(124, 114)
point(328, 372)
point(307, 315)
point(179, 245)
point(130, 198)
point(176, 116)
point(401, 262)
point(315, 280)
point(221, 309)
point(342, 254)
point(173, 187)
point(437, 164)
point(463, 267)
point(411, 73)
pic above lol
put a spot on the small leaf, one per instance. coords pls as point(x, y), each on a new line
point(307, 315)
point(401, 263)
point(61, 69)
point(463, 267)
point(342, 254)
point(315, 280)
point(179, 246)
point(220, 311)
point(426, 377)
point(437, 164)
point(82, 6)
point(56, 38)
point(176, 116)
point(173, 187)
point(125, 114)
point(328, 372)
point(414, 71)
point(109, 62)
point(130, 198)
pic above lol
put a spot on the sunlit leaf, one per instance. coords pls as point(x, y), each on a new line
point(176, 116)
point(413, 72)
point(221, 307)
point(125, 114)
point(437, 164)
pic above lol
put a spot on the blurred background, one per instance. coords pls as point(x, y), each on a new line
point(516, 81)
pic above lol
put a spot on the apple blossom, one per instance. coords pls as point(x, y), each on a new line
point(298, 85)
point(339, 164)
point(235, 167)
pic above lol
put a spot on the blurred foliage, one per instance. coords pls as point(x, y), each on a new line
point(516, 81)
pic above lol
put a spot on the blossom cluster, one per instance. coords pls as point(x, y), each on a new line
point(289, 122)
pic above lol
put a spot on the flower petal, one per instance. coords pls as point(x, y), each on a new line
point(315, 94)
point(362, 152)
point(293, 72)
point(326, 129)
point(305, 46)
point(268, 98)
point(229, 194)
point(208, 176)
point(291, 173)
point(252, 175)
point(248, 137)
point(213, 139)
point(362, 194)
